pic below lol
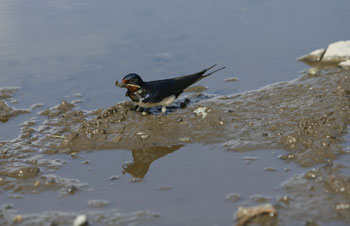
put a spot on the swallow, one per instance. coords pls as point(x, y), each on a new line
point(159, 92)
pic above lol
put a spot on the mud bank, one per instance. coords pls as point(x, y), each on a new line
point(111, 217)
point(7, 112)
point(308, 117)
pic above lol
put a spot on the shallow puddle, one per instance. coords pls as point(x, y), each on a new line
point(189, 184)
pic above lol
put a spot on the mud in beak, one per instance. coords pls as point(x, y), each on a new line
point(121, 85)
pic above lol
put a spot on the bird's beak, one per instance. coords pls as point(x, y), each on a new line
point(121, 85)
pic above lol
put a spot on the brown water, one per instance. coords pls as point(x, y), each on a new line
point(75, 50)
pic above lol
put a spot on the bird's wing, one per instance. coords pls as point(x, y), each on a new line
point(157, 90)
point(154, 94)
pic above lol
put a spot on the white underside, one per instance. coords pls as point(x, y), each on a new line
point(165, 102)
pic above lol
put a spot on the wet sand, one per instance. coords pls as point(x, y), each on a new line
point(307, 117)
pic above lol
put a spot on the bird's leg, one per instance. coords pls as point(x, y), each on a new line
point(139, 109)
point(163, 110)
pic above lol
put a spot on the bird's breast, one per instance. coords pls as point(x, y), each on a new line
point(165, 102)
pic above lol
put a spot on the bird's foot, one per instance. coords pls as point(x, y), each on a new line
point(184, 103)
point(164, 111)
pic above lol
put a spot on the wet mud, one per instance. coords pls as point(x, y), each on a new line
point(111, 217)
point(308, 117)
point(7, 112)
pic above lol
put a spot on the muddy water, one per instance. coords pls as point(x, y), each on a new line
point(286, 144)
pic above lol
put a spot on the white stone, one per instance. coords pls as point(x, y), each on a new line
point(337, 51)
point(201, 111)
point(345, 64)
point(313, 56)
point(80, 220)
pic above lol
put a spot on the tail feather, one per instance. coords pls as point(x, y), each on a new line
point(206, 75)
point(210, 67)
point(185, 81)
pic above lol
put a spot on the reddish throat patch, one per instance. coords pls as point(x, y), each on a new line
point(132, 88)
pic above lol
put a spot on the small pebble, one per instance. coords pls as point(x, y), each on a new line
point(118, 139)
point(77, 101)
point(285, 199)
point(271, 169)
point(144, 136)
point(233, 79)
point(342, 206)
point(201, 111)
point(313, 71)
point(114, 178)
point(164, 188)
point(7, 206)
point(249, 159)
point(16, 196)
point(233, 197)
point(184, 139)
point(17, 219)
point(37, 183)
point(97, 203)
point(72, 189)
point(80, 220)
point(135, 180)
point(74, 155)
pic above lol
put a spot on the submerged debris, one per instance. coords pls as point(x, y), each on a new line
point(196, 89)
point(233, 79)
point(165, 188)
point(245, 214)
point(202, 111)
point(233, 197)
point(249, 159)
point(96, 203)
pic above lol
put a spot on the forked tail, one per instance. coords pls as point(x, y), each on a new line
point(206, 75)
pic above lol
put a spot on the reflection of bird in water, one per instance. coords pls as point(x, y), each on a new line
point(144, 157)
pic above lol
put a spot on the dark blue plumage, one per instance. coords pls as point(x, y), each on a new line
point(159, 92)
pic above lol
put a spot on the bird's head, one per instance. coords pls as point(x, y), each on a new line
point(132, 82)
